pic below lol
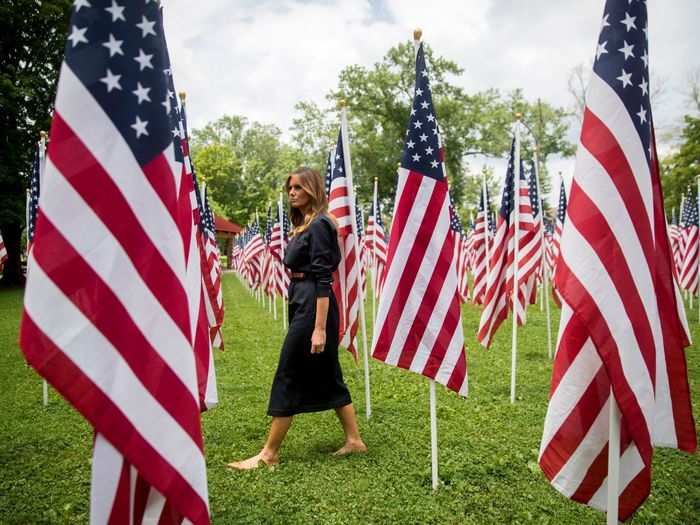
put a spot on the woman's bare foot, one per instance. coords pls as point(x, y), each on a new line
point(351, 447)
point(254, 462)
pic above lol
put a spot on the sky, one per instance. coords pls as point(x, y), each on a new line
point(259, 58)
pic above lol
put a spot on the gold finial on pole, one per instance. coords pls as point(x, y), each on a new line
point(43, 135)
point(342, 103)
point(183, 96)
point(417, 34)
point(377, 178)
point(518, 115)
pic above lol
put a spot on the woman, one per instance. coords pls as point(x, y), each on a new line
point(308, 377)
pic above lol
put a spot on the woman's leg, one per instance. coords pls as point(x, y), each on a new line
point(353, 441)
point(270, 452)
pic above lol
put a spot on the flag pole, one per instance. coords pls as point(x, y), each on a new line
point(375, 279)
point(42, 164)
point(417, 34)
point(345, 138)
point(545, 292)
point(516, 235)
point(613, 462)
point(284, 302)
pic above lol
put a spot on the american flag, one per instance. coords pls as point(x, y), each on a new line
point(676, 237)
point(418, 325)
point(480, 244)
point(689, 231)
point(345, 279)
point(33, 195)
point(549, 244)
point(558, 227)
point(3, 253)
point(253, 252)
point(365, 256)
point(280, 276)
point(268, 284)
point(537, 237)
point(499, 287)
point(460, 255)
point(622, 321)
point(376, 245)
point(119, 345)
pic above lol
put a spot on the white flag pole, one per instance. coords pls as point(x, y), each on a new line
point(42, 167)
point(613, 462)
point(433, 437)
point(345, 138)
point(516, 261)
point(545, 285)
point(375, 277)
point(433, 403)
point(284, 302)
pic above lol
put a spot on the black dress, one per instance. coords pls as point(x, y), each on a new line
point(306, 382)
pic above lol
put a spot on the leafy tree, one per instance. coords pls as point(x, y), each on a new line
point(243, 163)
point(32, 39)
point(379, 100)
point(681, 169)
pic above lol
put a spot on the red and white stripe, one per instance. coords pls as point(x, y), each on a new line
point(376, 246)
point(345, 279)
point(622, 323)
point(3, 253)
point(101, 210)
point(461, 258)
point(418, 325)
point(479, 239)
point(689, 268)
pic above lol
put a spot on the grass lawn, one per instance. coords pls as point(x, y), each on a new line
point(488, 447)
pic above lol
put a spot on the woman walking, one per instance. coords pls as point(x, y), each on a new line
point(308, 377)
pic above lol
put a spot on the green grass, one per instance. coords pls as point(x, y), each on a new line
point(488, 448)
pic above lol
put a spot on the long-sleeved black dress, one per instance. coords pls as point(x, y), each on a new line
point(306, 382)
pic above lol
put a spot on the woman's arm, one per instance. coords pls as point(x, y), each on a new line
point(318, 338)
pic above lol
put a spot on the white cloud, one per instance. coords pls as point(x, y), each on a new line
point(258, 58)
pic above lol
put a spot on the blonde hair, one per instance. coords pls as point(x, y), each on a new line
point(311, 182)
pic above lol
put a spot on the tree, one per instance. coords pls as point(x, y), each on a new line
point(681, 169)
point(243, 163)
point(32, 40)
point(379, 100)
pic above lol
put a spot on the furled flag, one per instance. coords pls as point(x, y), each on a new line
point(621, 321)
point(376, 245)
point(460, 254)
point(499, 286)
point(689, 230)
point(118, 344)
point(480, 244)
point(418, 325)
point(3, 253)
point(558, 227)
point(33, 195)
point(345, 279)
point(537, 237)
point(549, 243)
point(267, 262)
point(676, 238)
point(278, 273)
point(362, 244)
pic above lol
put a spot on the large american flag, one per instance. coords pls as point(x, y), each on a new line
point(689, 232)
point(479, 247)
point(376, 245)
point(119, 345)
point(622, 321)
point(345, 279)
point(418, 325)
point(500, 281)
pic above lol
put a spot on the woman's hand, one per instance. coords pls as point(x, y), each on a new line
point(318, 340)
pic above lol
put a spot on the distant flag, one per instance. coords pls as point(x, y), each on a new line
point(418, 325)
point(676, 236)
point(537, 237)
point(622, 321)
point(253, 251)
point(345, 280)
point(276, 253)
point(460, 255)
point(212, 273)
point(3, 253)
point(558, 227)
point(479, 249)
point(689, 232)
point(362, 243)
point(119, 345)
point(376, 244)
point(35, 178)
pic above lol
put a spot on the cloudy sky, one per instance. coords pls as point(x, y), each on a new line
point(259, 57)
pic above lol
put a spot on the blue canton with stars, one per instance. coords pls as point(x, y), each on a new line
point(335, 167)
point(532, 190)
point(561, 209)
point(358, 220)
point(378, 216)
point(118, 52)
point(455, 223)
point(268, 227)
point(34, 190)
point(422, 152)
point(622, 61)
point(689, 213)
point(508, 201)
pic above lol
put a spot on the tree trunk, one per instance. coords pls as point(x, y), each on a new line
point(12, 272)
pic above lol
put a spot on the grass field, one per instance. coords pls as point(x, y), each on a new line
point(488, 447)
